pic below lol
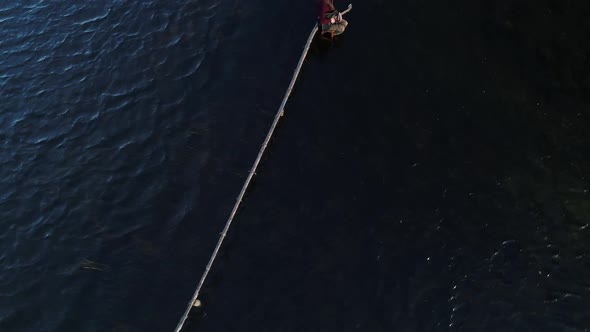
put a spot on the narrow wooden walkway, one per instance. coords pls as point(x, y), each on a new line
point(195, 302)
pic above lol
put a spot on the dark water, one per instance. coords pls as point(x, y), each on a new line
point(126, 127)
point(430, 173)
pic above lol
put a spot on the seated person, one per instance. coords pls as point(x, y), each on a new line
point(331, 19)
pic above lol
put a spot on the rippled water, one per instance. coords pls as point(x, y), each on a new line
point(111, 113)
point(94, 95)
point(430, 173)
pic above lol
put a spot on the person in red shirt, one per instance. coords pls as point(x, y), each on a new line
point(330, 18)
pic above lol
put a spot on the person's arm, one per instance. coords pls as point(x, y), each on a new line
point(334, 16)
point(339, 17)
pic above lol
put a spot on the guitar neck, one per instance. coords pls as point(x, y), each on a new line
point(347, 10)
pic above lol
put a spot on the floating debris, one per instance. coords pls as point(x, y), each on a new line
point(91, 265)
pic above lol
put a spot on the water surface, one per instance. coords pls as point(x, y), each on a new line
point(430, 172)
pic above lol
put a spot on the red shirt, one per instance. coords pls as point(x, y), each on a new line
point(325, 7)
